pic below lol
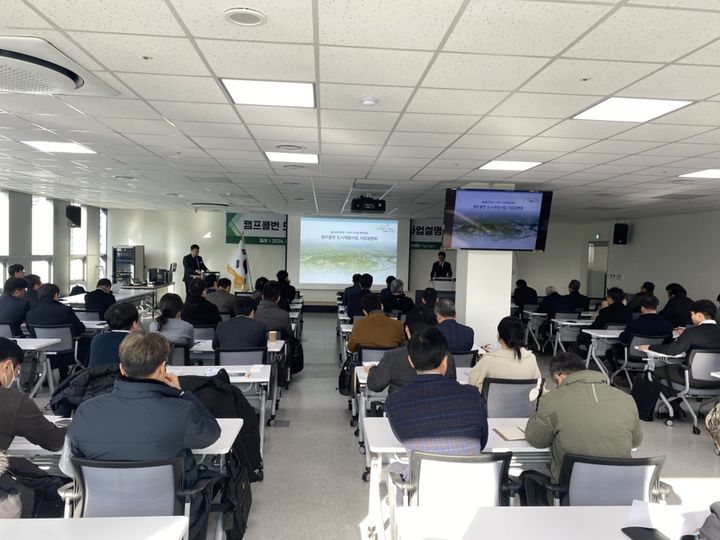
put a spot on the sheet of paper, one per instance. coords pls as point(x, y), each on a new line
point(512, 433)
point(672, 521)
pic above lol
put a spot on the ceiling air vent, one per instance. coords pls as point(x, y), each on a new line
point(31, 65)
point(209, 206)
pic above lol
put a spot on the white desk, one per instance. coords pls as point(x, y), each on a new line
point(38, 346)
point(534, 319)
point(599, 337)
point(108, 528)
point(95, 326)
point(134, 296)
point(567, 330)
point(655, 359)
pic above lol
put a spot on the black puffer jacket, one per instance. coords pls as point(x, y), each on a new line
point(82, 386)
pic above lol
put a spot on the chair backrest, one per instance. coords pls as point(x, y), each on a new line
point(634, 354)
point(615, 326)
point(570, 315)
point(6, 330)
point(371, 354)
point(180, 355)
point(448, 484)
point(595, 481)
point(205, 331)
point(130, 489)
point(240, 357)
point(465, 358)
point(532, 308)
point(702, 363)
point(63, 332)
point(84, 315)
point(509, 398)
point(226, 316)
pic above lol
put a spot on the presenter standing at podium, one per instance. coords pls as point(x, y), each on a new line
point(441, 268)
point(193, 266)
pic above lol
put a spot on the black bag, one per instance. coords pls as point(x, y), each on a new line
point(297, 357)
point(377, 409)
point(645, 392)
point(236, 499)
point(347, 373)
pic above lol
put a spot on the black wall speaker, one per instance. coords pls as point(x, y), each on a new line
point(621, 233)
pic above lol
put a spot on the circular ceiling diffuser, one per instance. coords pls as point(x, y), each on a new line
point(25, 74)
point(245, 16)
point(209, 207)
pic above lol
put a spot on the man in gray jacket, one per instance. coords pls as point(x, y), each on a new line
point(271, 314)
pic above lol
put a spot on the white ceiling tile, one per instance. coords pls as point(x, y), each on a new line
point(709, 55)
point(700, 114)
point(410, 151)
point(35, 104)
point(289, 134)
point(149, 127)
point(504, 142)
point(195, 112)
point(683, 149)
point(18, 15)
point(678, 82)
point(555, 143)
point(691, 4)
point(264, 61)
point(627, 33)
point(710, 137)
point(401, 162)
point(372, 66)
point(502, 27)
point(590, 129)
point(278, 116)
point(250, 153)
point(347, 96)
point(645, 160)
point(587, 158)
point(210, 129)
point(143, 54)
point(286, 21)
point(438, 123)
point(407, 138)
point(401, 24)
point(357, 119)
point(111, 107)
point(472, 102)
point(481, 155)
point(544, 105)
point(460, 164)
point(505, 125)
point(161, 140)
point(175, 87)
point(332, 159)
point(481, 72)
point(660, 132)
point(353, 136)
point(350, 149)
point(519, 154)
point(620, 147)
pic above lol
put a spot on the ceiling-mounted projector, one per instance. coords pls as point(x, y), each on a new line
point(366, 203)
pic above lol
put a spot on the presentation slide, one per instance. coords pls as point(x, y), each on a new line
point(502, 220)
point(332, 250)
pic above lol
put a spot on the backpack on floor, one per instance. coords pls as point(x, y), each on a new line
point(645, 392)
point(345, 380)
point(297, 357)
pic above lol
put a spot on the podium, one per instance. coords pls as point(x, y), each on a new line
point(442, 283)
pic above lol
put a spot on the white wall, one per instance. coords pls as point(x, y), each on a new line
point(421, 261)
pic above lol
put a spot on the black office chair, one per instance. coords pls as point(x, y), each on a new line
point(179, 355)
point(465, 358)
point(241, 357)
point(510, 398)
point(204, 331)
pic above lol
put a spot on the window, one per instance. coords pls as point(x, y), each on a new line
point(102, 269)
point(42, 227)
point(4, 224)
point(78, 235)
point(42, 269)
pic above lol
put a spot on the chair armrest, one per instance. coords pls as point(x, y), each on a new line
point(513, 486)
point(661, 491)
point(200, 485)
point(397, 479)
point(67, 492)
point(556, 489)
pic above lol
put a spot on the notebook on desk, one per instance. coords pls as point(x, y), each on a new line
point(511, 433)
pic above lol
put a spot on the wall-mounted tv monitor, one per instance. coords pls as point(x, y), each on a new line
point(73, 215)
point(496, 219)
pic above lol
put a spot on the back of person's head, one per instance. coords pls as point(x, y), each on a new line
point(566, 363)
point(550, 289)
point(418, 318)
point(194, 246)
point(616, 294)
point(370, 302)
point(245, 306)
point(356, 279)
point(170, 305)
point(10, 350)
point(397, 286)
point(649, 302)
point(224, 283)
point(389, 280)
point(260, 283)
point(649, 286)
point(197, 287)
point(33, 280)
point(706, 307)
point(445, 308)
point(271, 291)
point(121, 316)
point(429, 297)
point(427, 348)
point(366, 281)
point(282, 276)
point(441, 254)
point(521, 283)
point(511, 331)
point(104, 282)
point(14, 269)
point(14, 284)
point(210, 281)
point(675, 289)
point(49, 290)
point(574, 285)
point(141, 353)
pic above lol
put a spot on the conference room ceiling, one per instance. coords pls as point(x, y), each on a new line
point(458, 83)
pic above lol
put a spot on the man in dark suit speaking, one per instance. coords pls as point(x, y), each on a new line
point(193, 266)
point(441, 268)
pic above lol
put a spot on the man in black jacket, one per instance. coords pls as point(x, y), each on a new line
point(553, 303)
point(193, 266)
point(397, 300)
point(616, 312)
point(242, 331)
point(705, 334)
point(648, 324)
point(159, 420)
point(31, 294)
point(354, 303)
point(13, 306)
point(101, 298)
point(352, 289)
point(577, 301)
point(197, 310)
point(524, 295)
point(677, 309)
point(441, 268)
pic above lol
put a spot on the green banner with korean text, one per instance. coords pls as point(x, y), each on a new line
point(426, 234)
point(258, 228)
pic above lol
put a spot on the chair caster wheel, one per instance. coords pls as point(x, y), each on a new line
point(717, 450)
point(349, 405)
point(668, 422)
point(362, 449)
point(366, 476)
point(353, 422)
point(357, 432)
point(260, 476)
point(696, 430)
point(271, 422)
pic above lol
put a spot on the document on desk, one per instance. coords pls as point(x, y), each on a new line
point(672, 521)
point(512, 433)
point(211, 372)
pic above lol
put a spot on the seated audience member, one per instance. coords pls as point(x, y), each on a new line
point(677, 309)
point(210, 283)
point(101, 298)
point(21, 417)
point(16, 271)
point(354, 304)
point(197, 310)
point(510, 361)
point(51, 312)
point(242, 331)
point(159, 420)
point(169, 323)
point(583, 416)
point(375, 329)
point(287, 291)
point(647, 289)
point(460, 338)
point(434, 413)
point(553, 303)
point(122, 318)
point(271, 314)
point(615, 312)
point(13, 306)
point(705, 334)
point(397, 300)
point(385, 293)
point(352, 289)
point(31, 295)
point(429, 297)
point(223, 298)
point(259, 286)
point(524, 295)
point(576, 301)
point(394, 370)
point(649, 323)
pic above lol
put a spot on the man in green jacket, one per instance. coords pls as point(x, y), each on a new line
point(583, 416)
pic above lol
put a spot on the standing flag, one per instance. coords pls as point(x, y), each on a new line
point(239, 268)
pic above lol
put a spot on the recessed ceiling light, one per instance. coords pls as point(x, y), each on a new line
point(369, 101)
point(289, 147)
point(245, 16)
point(617, 109)
point(123, 177)
point(707, 173)
point(58, 147)
point(273, 93)
point(292, 158)
point(500, 165)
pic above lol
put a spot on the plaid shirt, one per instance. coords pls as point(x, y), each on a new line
point(435, 414)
